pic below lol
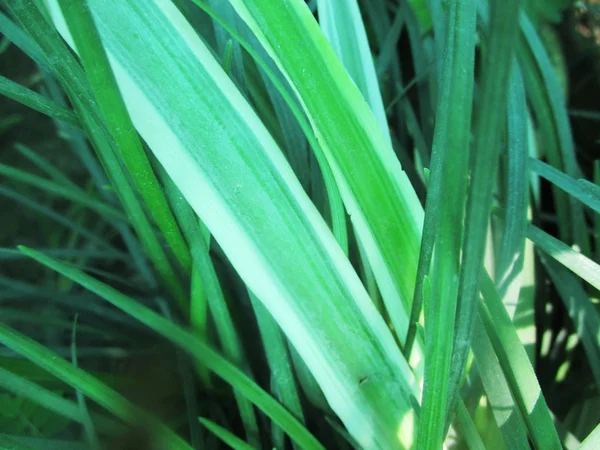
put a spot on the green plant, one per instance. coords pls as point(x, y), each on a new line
point(256, 199)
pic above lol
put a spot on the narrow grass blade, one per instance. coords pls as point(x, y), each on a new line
point(46, 398)
point(88, 425)
point(46, 166)
point(279, 360)
point(37, 102)
point(498, 393)
point(199, 350)
point(18, 37)
point(582, 312)
point(443, 220)
point(73, 80)
point(338, 213)
point(468, 428)
point(226, 329)
point(343, 26)
point(517, 368)
point(490, 126)
point(510, 261)
point(226, 436)
point(577, 188)
point(560, 129)
point(59, 190)
point(381, 202)
point(577, 263)
point(106, 92)
point(90, 386)
point(233, 174)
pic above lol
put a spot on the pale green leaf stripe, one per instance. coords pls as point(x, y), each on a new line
point(498, 393)
point(338, 213)
point(230, 170)
point(377, 193)
point(576, 262)
point(517, 368)
point(592, 442)
point(106, 92)
point(576, 188)
point(226, 330)
point(36, 101)
point(342, 24)
point(225, 435)
point(198, 349)
point(89, 385)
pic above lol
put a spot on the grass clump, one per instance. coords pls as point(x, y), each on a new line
point(277, 224)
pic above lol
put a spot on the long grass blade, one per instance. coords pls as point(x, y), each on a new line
point(36, 101)
point(234, 176)
point(184, 339)
point(381, 203)
point(577, 263)
point(226, 436)
point(579, 188)
point(517, 368)
point(89, 385)
point(490, 126)
point(443, 219)
point(106, 92)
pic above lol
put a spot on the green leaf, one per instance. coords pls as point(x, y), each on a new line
point(382, 204)
point(582, 190)
point(36, 101)
point(517, 368)
point(85, 382)
point(443, 220)
point(234, 176)
point(226, 436)
point(489, 127)
point(106, 92)
point(198, 349)
point(576, 262)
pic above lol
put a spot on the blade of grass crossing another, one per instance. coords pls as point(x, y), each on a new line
point(338, 213)
point(89, 385)
point(577, 188)
point(233, 174)
point(382, 204)
point(489, 128)
point(517, 368)
point(582, 312)
point(37, 102)
point(199, 350)
point(226, 329)
point(444, 214)
point(577, 263)
point(105, 89)
point(226, 436)
point(73, 79)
